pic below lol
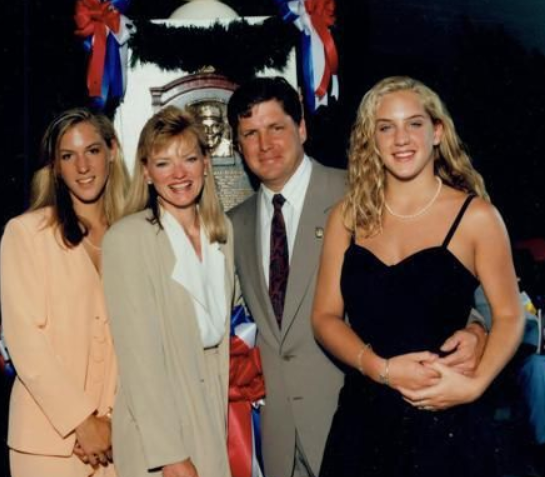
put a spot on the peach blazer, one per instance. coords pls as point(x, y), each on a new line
point(56, 329)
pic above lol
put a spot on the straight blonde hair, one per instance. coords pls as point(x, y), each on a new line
point(158, 131)
point(49, 190)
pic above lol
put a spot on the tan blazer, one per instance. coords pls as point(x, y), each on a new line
point(302, 383)
point(56, 328)
point(161, 415)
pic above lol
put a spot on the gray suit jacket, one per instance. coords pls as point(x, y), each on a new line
point(302, 383)
point(162, 412)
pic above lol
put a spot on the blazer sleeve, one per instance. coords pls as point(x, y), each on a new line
point(136, 326)
point(24, 315)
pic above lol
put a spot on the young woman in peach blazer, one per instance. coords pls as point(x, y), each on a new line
point(53, 309)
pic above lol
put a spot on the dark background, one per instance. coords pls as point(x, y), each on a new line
point(484, 57)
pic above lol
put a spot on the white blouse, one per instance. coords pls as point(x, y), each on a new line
point(205, 281)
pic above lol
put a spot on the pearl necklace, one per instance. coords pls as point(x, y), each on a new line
point(423, 210)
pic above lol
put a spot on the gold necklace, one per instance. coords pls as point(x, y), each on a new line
point(423, 210)
point(92, 245)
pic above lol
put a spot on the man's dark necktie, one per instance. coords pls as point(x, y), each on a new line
point(279, 266)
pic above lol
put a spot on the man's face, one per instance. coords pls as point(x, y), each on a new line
point(271, 143)
point(213, 129)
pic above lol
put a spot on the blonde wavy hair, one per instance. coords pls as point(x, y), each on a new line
point(158, 131)
point(49, 190)
point(363, 205)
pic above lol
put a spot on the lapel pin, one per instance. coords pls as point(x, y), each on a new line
point(319, 232)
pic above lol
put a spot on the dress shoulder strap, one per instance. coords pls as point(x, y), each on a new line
point(457, 220)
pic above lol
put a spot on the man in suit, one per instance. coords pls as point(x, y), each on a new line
point(302, 383)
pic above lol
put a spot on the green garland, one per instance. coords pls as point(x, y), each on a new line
point(237, 50)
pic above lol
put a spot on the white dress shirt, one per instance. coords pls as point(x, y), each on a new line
point(294, 192)
point(205, 281)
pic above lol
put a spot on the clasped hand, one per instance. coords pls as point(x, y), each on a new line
point(432, 383)
point(93, 441)
point(450, 389)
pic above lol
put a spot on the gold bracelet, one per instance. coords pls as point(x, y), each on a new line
point(384, 377)
point(364, 348)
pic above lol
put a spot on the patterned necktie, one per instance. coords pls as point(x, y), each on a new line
point(279, 266)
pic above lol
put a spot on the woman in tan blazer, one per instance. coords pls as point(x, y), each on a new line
point(169, 281)
point(53, 309)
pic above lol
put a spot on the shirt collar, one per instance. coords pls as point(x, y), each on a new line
point(294, 190)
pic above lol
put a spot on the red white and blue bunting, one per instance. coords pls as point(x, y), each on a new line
point(246, 393)
point(320, 59)
point(105, 32)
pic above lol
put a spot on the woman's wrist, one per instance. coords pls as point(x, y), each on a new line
point(85, 423)
point(359, 358)
point(478, 385)
point(384, 375)
point(377, 368)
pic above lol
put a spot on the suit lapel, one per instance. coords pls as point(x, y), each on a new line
point(307, 246)
point(180, 303)
point(166, 253)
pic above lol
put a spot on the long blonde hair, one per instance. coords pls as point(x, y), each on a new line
point(363, 205)
point(158, 131)
point(49, 189)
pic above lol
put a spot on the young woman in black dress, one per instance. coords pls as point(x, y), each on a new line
point(403, 254)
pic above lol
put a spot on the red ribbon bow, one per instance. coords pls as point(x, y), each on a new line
point(95, 18)
point(246, 386)
point(322, 15)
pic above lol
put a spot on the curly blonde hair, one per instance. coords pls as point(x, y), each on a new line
point(363, 205)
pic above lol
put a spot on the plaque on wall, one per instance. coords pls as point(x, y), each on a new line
point(206, 95)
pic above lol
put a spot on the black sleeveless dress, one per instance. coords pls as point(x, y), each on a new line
point(414, 305)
